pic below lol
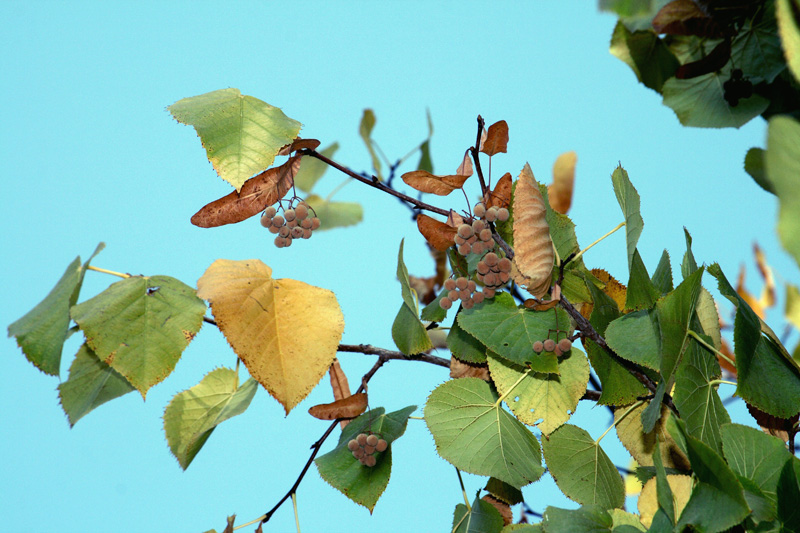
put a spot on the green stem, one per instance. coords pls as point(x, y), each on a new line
point(617, 421)
point(296, 517)
point(722, 381)
point(250, 523)
point(579, 254)
point(463, 490)
point(416, 418)
point(104, 271)
point(503, 397)
point(710, 348)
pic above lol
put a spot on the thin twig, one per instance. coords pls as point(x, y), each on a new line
point(475, 152)
point(390, 355)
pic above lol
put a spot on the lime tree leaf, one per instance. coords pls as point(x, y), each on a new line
point(642, 445)
point(675, 492)
point(335, 214)
point(641, 292)
point(789, 495)
point(140, 326)
point(464, 346)
point(474, 434)
point(587, 519)
point(42, 331)
point(481, 518)
point(637, 338)
point(675, 312)
point(621, 518)
point(365, 130)
point(286, 332)
point(241, 134)
point(717, 502)
point(783, 170)
point(792, 309)
point(433, 312)
point(312, 169)
point(581, 468)
point(789, 34)
point(362, 484)
point(408, 331)
point(510, 331)
point(91, 383)
point(543, 400)
point(193, 414)
point(628, 200)
point(754, 165)
point(708, 317)
point(503, 491)
point(662, 277)
point(682, 96)
point(646, 54)
point(756, 49)
point(688, 265)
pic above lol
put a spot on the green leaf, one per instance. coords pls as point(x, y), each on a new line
point(312, 169)
point(754, 165)
point(647, 55)
point(335, 214)
point(546, 400)
point(362, 484)
point(140, 326)
point(463, 345)
point(717, 502)
point(474, 434)
point(482, 518)
point(783, 170)
point(433, 312)
point(675, 312)
point(42, 331)
point(408, 332)
point(425, 162)
point(641, 293)
point(652, 413)
point(503, 491)
point(91, 383)
point(522, 528)
point(241, 134)
point(756, 48)
point(708, 317)
point(587, 519)
point(582, 469)
point(193, 414)
point(510, 331)
point(628, 200)
point(789, 33)
point(365, 130)
point(789, 495)
point(662, 277)
point(636, 337)
point(642, 445)
point(683, 95)
point(688, 265)
point(621, 518)
point(666, 501)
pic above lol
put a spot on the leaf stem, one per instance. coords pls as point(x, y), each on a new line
point(475, 152)
point(104, 271)
point(463, 490)
point(579, 254)
point(620, 419)
point(710, 348)
point(296, 516)
point(250, 523)
point(503, 397)
point(722, 381)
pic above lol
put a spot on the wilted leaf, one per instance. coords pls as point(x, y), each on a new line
point(465, 168)
point(613, 288)
point(460, 369)
point(426, 182)
point(496, 139)
point(642, 445)
point(286, 332)
point(193, 414)
point(335, 214)
point(501, 195)
point(533, 248)
point(339, 384)
point(684, 17)
point(140, 326)
point(349, 407)
point(312, 169)
point(747, 296)
point(299, 144)
point(559, 193)
point(438, 234)
point(256, 194)
point(773, 425)
point(365, 130)
point(241, 134)
point(648, 503)
point(502, 507)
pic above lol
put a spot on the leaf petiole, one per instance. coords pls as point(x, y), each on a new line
point(503, 397)
point(251, 522)
point(463, 491)
point(710, 348)
point(579, 254)
point(104, 271)
point(621, 418)
point(296, 517)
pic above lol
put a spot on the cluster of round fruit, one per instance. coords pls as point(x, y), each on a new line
point(491, 214)
point(550, 345)
point(294, 224)
point(461, 289)
point(494, 272)
point(477, 238)
point(364, 447)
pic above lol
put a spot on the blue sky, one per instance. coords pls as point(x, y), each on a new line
point(91, 155)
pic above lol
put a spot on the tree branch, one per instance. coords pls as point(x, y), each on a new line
point(388, 355)
point(475, 152)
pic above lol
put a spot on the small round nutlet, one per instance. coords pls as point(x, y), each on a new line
point(459, 240)
point(538, 346)
point(504, 265)
point(491, 259)
point(478, 297)
point(477, 247)
point(465, 231)
point(358, 453)
point(503, 214)
point(306, 234)
point(292, 223)
point(461, 283)
point(450, 284)
point(488, 292)
point(478, 226)
point(284, 231)
point(273, 229)
point(270, 211)
point(491, 214)
point(558, 351)
point(280, 241)
point(485, 235)
point(453, 295)
point(361, 439)
point(565, 345)
point(445, 303)
point(315, 223)
point(288, 240)
point(468, 304)
point(369, 450)
point(306, 223)
point(504, 277)
point(352, 445)
point(370, 461)
point(297, 232)
point(266, 221)
point(482, 268)
point(381, 446)
point(464, 249)
point(301, 211)
point(277, 221)
point(549, 345)
point(464, 295)
point(471, 286)
point(289, 215)
point(479, 210)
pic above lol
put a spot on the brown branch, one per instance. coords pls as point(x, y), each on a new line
point(389, 355)
point(374, 183)
point(475, 152)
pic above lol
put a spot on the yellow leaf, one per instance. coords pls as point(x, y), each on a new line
point(767, 298)
point(286, 332)
point(534, 255)
point(648, 504)
point(560, 191)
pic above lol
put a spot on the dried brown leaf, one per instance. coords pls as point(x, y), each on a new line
point(229, 526)
point(496, 139)
point(465, 168)
point(438, 234)
point(502, 507)
point(299, 144)
point(349, 407)
point(726, 350)
point(501, 195)
point(685, 17)
point(460, 369)
point(560, 191)
point(772, 425)
point(747, 297)
point(257, 193)
point(454, 220)
point(340, 386)
point(534, 254)
point(424, 287)
point(424, 181)
point(767, 298)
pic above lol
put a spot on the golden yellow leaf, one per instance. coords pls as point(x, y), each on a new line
point(533, 249)
point(438, 234)
point(613, 288)
point(286, 332)
point(424, 181)
point(560, 191)
point(747, 297)
point(349, 407)
point(496, 139)
point(648, 504)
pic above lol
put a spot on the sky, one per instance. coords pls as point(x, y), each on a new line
point(90, 154)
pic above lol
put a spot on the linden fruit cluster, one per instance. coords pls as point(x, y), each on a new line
point(549, 345)
point(364, 448)
point(294, 224)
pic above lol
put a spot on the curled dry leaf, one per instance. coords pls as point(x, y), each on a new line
point(496, 139)
point(460, 369)
point(454, 220)
point(424, 287)
point(534, 256)
point(424, 181)
point(340, 386)
point(349, 407)
point(501, 195)
point(559, 193)
point(685, 17)
point(465, 168)
point(773, 425)
point(438, 234)
point(299, 144)
point(502, 507)
point(257, 193)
